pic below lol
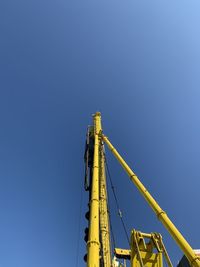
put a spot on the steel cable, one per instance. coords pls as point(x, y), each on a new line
point(116, 200)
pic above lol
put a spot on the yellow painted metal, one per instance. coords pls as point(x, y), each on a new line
point(93, 244)
point(99, 226)
point(149, 259)
point(122, 253)
point(162, 216)
point(148, 250)
point(103, 213)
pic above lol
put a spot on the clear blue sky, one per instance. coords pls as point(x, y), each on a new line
point(138, 62)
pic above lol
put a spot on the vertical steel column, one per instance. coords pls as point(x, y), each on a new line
point(162, 216)
point(93, 241)
point(103, 212)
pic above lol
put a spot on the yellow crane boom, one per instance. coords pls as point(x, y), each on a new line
point(98, 244)
point(93, 244)
point(99, 230)
point(162, 216)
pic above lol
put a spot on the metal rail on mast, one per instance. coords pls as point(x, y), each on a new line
point(103, 213)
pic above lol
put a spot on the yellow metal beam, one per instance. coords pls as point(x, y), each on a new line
point(162, 216)
point(93, 241)
point(103, 212)
point(122, 253)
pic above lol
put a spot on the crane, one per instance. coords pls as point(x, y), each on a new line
point(146, 249)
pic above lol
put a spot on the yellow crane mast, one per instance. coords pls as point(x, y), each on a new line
point(146, 250)
point(98, 244)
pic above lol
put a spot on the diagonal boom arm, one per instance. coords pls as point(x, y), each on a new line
point(162, 216)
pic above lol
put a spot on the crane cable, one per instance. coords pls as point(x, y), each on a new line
point(113, 243)
point(116, 200)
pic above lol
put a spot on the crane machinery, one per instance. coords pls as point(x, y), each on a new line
point(146, 249)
